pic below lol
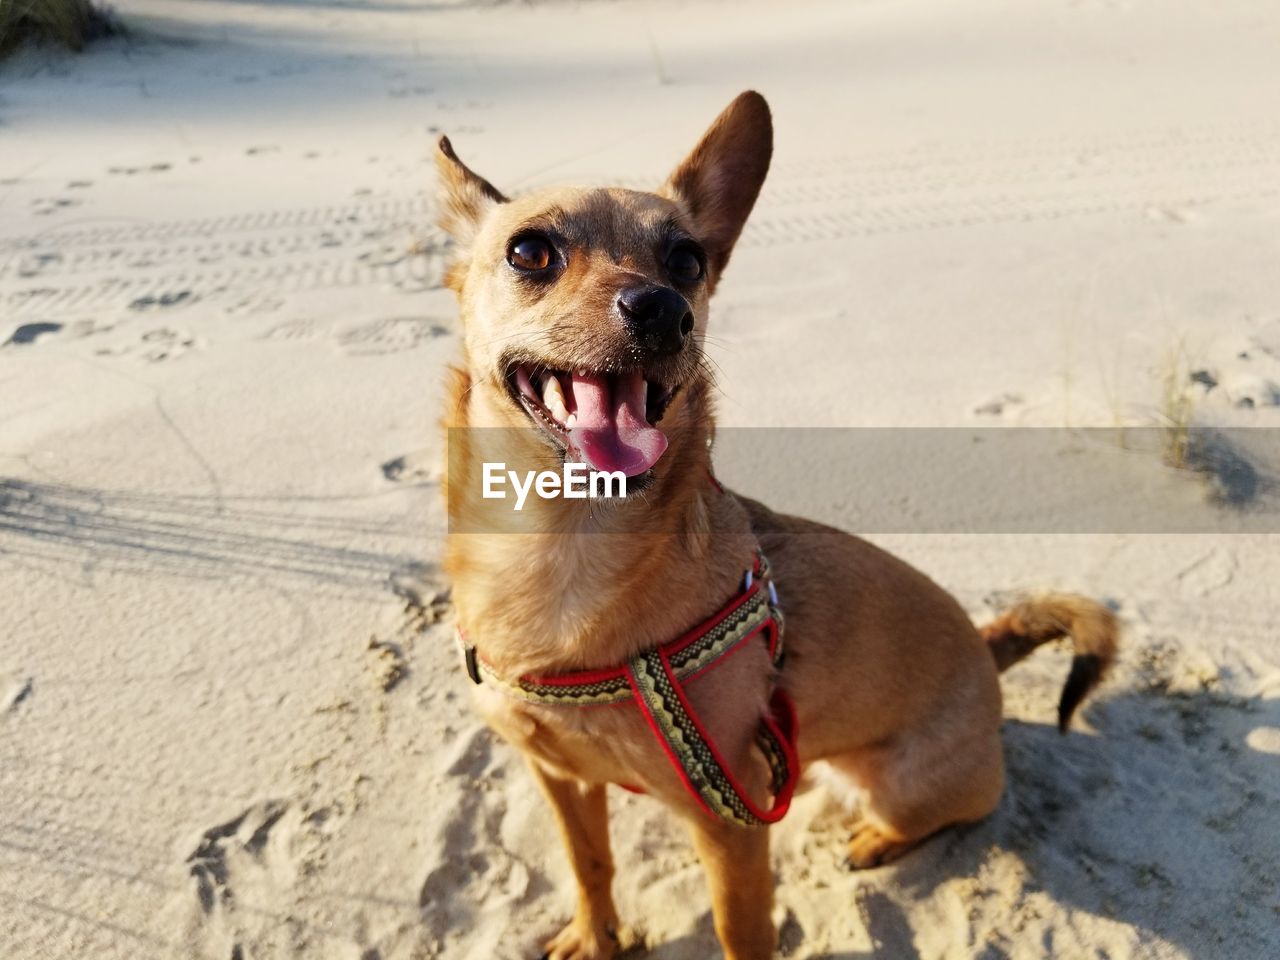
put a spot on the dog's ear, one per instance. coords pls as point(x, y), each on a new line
point(464, 197)
point(717, 184)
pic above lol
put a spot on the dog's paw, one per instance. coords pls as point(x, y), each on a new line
point(581, 940)
point(872, 848)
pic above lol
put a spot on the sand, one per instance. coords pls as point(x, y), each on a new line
point(232, 724)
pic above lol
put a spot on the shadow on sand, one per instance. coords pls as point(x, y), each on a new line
point(1163, 821)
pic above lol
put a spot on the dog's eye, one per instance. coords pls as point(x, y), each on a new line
point(685, 263)
point(530, 253)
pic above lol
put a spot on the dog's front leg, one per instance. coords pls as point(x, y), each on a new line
point(582, 811)
point(736, 861)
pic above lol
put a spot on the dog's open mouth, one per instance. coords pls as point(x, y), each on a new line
point(607, 420)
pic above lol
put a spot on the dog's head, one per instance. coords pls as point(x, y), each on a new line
point(585, 309)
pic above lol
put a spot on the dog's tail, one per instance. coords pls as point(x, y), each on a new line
point(1092, 629)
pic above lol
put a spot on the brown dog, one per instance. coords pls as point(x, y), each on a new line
point(584, 312)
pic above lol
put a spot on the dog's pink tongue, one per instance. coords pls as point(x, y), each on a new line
point(611, 431)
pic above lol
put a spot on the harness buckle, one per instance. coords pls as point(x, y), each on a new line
point(472, 665)
point(469, 659)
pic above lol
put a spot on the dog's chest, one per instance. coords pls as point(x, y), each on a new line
point(593, 744)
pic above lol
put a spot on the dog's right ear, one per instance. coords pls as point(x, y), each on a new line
point(464, 196)
point(719, 181)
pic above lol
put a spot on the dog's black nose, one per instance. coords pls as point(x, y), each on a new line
point(658, 317)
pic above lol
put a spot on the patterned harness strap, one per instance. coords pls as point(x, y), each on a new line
point(656, 680)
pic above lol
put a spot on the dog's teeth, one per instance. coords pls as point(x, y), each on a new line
point(571, 421)
point(553, 399)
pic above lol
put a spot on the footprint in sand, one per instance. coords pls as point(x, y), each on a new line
point(1267, 339)
point(390, 335)
point(386, 664)
point(998, 406)
point(235, 867)
point(16, 691)
point(418, 467)
point(1249, 391)
point(229, 848)
point(471, 856)
point(154, 346)
point(1209, 573)
point(44, 206)
point(35, 264)
point(427, 599)
point(29, 333)
point(1171, 214)
point(165, 344)
point(1244, 374)
point(163, 301)
point(257, 303)
point(144, 168)
point(293, 330)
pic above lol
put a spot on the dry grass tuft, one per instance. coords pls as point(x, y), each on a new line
point(1177, 408)
point(70, 23)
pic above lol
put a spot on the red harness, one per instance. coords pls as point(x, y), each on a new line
point(655, 680)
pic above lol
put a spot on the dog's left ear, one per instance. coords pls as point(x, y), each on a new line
point(717, 184)
point(464, 196)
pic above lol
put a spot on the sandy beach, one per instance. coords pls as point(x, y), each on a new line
point(233, 724)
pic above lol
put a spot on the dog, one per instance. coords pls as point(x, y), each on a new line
point(584, 313)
